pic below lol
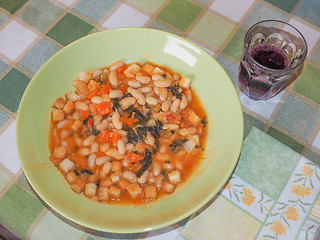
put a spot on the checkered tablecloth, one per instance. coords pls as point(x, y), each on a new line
point(274, 192)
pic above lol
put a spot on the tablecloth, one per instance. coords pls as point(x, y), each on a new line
point(274, 191)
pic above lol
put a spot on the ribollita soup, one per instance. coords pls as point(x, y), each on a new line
point(128, 134)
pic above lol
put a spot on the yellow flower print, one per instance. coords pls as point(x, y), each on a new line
point(278, 228)
point(292, 213)
point(307, 171)
point(228, 186)
point(269, 207)
point(300, 191)
point(247, 197)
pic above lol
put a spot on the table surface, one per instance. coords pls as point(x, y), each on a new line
point(32, 31)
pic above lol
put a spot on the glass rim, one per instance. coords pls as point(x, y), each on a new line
point(271, 69)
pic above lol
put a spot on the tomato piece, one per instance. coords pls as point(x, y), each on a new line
point(105, 89)
point(170, 116)
point(81, 163)
point(133, 157)
point(109, 136)
point(129, 121)
point(90, 123)
point(186, 113)
point(105, 135)
point(143, 72)
point(123, 88)
point(121, 69)
point(115, 137)
point(101, 154)
point(83, 114)
point(92, 94)
point(139, 200)
point(104, 108)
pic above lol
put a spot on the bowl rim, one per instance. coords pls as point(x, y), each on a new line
point(128, 230)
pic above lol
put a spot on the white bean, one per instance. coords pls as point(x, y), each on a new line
point(156, 91)
point(96, 99)
point(171, 126)
point(188, 131)
point(139, 96)
point(143, 178)
point(145, 89)
point(150, 139)
point(157, 77)
point(151, 100)
point(64, 134)
point(115, 94)
point(96, 73)
point(163, 94)
point(129, 147)
point(85, 77)
point(76, 115)
point(72, 97)
point(92, 160)
point(94, 147)
point(125, 163)
point(189, 96)
point(127, 102)
point(157, 70)
point(132, 70)
point(166, 105)
point(130, 176)
point(184, 102)
point(134, 83)
point(105, 169)
point(185, 82)
point(84, 151)
point(175, 105)
point(116, 65)
point(156, 168)
point(106, 97)
point(97, 119)
point(176, 77)
point(102, 125)
point(89, 140)
point(114, 153)
point(116, 121)
point(81, 106)
point(143, 79)
point(163, 83)
point(104, 147)
point(102, 160)
point(121, 146)
point(123, 133)
point(63, 123)
point(113, 78)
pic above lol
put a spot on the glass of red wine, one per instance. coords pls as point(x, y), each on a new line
point(273, 50)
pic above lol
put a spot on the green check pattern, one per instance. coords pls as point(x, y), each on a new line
point(31, 31)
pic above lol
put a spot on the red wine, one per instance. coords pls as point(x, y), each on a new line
point(255, 82)
point(270, 56)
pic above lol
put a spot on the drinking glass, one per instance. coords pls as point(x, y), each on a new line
point(272, 52)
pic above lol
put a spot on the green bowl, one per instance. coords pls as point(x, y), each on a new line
point(210, 82)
